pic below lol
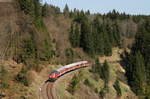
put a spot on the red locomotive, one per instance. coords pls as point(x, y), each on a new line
point(59, 72)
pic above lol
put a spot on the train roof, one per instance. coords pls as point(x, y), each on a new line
point(70, 65)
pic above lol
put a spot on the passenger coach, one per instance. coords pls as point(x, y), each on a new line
point(64, 69)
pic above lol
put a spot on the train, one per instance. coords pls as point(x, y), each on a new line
point(54, 75)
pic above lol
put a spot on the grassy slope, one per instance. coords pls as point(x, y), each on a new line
point(96, 84)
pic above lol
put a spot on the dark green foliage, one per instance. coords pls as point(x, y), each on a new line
point(4, 78)
point(136, 73)
point(34, 8)
point(97, 67)
point(86, 37)
point(75, 35)
point(75, 83)
point(31, 7)
point(66, 10)
point(116, 39)
point(37, 8)
point(29, 49)
point(103, 92)
point(114, 15)
point(22, 78)
point(139, 76)
point(88, 83)
point(47, 50)
point(107, 47)
point(38, 22)
point(27, 6)
point(97, 36)
point(105, 72)
point(117, 88)
point(45, 10)
point(138, 68)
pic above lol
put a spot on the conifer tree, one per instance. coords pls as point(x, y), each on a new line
point(98, 37)
point(66, 10)
point(137, 69)
point(87, 37)
point(107, 44)
point(139, 75)
point(97, 67)
point(78, 33)
point(117, 88)
point(37, 9)
point(45, 10)
point(116, 34)
point(72, 35)
point(75, 35)
point(106, 72)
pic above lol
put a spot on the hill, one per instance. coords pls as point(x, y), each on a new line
point(36, 39)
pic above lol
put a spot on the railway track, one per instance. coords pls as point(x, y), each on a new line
point(49, 90)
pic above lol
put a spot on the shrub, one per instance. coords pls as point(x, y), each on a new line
point(21, 77)
point(117, 88)
point(47, 50)
point(75, 82)
point(88, 83)
point(73, 85)
point(69, 54)
point(4, 77)
point(103, 92)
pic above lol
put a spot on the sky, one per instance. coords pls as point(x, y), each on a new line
point(103, 6)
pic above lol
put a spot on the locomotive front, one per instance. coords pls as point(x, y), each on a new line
point(53, 75)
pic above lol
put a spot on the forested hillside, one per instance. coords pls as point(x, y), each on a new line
point(97, 33)
point(40, 34)
point(138, 62)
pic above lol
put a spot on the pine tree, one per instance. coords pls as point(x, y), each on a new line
point(98, 37)
point(78, 33)
point(110, 32)
point(139, 75)
point(87, 37)
point(27, 6)
point(106, 72)
point(116, 35)
point(107, 44)
point(137, 68)
point(72, 35)
point(4, 78)
point(142, 44)
point(117, 88)
point(45, 10)
point(97, 67)
point(66, 10)
point(37, 9)
point(75, 35)
point(105, 75)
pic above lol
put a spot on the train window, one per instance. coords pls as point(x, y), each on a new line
point(53, 72)
point(57, 72)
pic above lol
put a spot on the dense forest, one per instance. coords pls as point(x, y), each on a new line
point(138, 62)
point(96, 34)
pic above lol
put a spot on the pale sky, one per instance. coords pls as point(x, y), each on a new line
point(104, 6)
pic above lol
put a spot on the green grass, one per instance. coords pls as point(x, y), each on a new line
point(96, 85)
